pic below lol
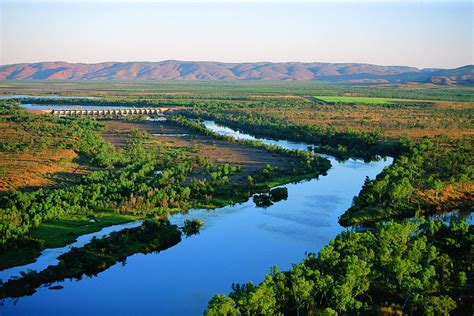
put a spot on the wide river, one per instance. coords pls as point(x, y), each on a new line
point(238, 243)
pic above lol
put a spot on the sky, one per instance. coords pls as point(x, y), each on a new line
point(424, 34)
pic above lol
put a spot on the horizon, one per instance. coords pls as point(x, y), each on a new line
point(433, 34)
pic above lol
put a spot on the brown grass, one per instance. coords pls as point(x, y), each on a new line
point(32, 168)
point(459, 197)
point(38, 169)
point(448, 118)
point(218, 151)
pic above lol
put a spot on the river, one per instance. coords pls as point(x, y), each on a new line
point(237, 243)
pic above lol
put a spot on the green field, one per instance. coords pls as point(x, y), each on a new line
point(59, 233)
point(359, 100)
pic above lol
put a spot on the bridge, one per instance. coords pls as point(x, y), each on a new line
point(109, 112)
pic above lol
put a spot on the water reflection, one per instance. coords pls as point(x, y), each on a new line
point(50, 256)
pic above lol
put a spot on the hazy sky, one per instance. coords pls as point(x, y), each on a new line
point(422, 34)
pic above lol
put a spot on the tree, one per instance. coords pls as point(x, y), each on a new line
point(266, 172)
point(401, 191)
point(262, 300)
point(221, 305)
point(439, 305)
point(380, 186)
point(328, 312)
point(438, 186)
point(351, 284)
point(301, 286)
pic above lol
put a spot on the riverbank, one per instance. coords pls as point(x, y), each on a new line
point(97, 256)
point(59, 233)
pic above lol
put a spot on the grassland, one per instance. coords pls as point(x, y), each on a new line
point(40, 169)
point(358, 100)
point(59, 233)
point(236, 89)
point(432, 109)
point(35, 155)
point(354, 100)
point(451, 119)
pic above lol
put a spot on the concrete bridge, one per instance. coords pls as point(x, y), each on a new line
point(110, 112)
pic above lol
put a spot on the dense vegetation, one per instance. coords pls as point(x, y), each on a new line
point(411, 267)
point(48, 132)
point(191, 227)
point(433, 176)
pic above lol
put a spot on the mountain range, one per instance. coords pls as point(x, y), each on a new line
point(203, 70)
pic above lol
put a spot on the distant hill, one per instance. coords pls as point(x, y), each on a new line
point(191, 70)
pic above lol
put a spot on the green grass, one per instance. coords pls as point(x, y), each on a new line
point(359, 100)
point(239, 88)
point(59, 233)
